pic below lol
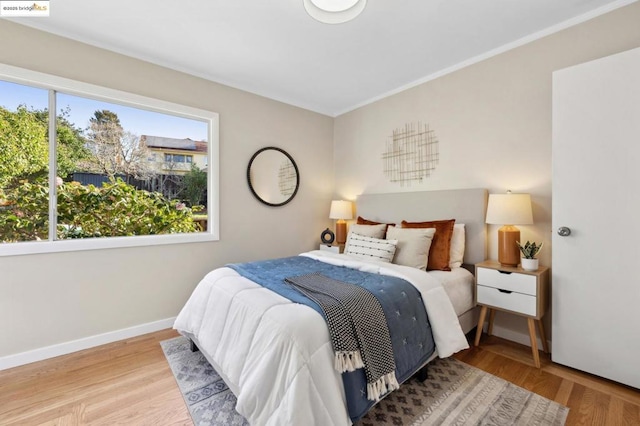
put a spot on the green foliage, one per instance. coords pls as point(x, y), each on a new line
point(115, 209)
point(529, 250)
point(71, 146)
point(105, 116)
point(24, 149)
point(118, 209)
point(194, 185)
point(24, 144)
point(24, 212)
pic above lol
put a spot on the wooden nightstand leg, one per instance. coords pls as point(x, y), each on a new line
point(545, 345)
point(534, 342)
point(492, 316)
point(483, 315)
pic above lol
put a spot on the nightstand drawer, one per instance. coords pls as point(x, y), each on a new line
point(512, 281)
point(516, 302)
point(334, 249)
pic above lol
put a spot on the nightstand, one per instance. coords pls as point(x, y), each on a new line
point(332, 248)
point(513, 290)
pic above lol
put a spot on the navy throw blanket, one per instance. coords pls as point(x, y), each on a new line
point(401, 302)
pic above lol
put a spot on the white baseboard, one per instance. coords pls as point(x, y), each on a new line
point(515, 336)
point(47, 352)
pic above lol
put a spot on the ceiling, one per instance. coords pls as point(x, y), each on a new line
point(274, 49)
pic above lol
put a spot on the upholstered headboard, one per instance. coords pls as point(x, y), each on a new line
point(466, 206)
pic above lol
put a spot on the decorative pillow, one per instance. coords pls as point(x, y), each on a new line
point(373, 231)
point(456, 256)
point(370, 248)
point(441, 244)
point(413, 245)
point(363, 221)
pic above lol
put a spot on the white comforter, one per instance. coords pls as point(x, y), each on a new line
point(276, 355)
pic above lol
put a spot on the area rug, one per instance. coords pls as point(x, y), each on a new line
point(453, 394)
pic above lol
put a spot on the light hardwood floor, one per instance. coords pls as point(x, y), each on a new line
point(592, 400)
point(130, 383)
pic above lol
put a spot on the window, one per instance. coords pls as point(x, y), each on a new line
point(78, 167)
point(178, 158)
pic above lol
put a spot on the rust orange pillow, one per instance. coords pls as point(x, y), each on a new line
point(363, 221)
point(440, 245)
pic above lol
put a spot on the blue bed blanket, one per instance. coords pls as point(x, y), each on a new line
point(401, 302)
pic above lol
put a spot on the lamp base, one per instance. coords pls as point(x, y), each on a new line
point(508, 252)
point(341, 232)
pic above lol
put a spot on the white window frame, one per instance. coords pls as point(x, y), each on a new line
point(99, 93)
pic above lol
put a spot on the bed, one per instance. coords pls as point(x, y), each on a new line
point(276, 356)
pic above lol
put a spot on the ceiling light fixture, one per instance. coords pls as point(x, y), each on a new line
point(334, 11)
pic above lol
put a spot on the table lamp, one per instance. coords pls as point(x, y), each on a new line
point(508, 210)
point(341, 210)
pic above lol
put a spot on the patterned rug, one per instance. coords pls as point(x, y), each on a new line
point(454, 394)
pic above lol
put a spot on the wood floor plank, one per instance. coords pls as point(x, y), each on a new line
point(80, 359)
point(577, 415)
point(631, 414)
point(59, 390)
point(485, 360)
point(600, 409)
point(73, 418)
point(564, 392)
point(626, 393)
point(543, 383)
point(516, 372)
point(103, 375)
point(105, 404)
point(130, 383)
point(157, 409)
point(615, 413)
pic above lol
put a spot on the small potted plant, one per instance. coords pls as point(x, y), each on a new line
point(529, 251)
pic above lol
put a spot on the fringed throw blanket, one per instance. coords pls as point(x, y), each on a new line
point(358, 329)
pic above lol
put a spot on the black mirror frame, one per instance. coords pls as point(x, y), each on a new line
point(295, 166)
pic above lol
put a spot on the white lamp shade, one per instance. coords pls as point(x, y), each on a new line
point(509, 209)
point(341, 210)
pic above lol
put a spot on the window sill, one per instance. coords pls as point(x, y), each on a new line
point(41, 247)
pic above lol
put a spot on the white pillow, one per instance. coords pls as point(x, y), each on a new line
point(456, 254)
point(370, 248)
point(373, 231)
point(413, 245)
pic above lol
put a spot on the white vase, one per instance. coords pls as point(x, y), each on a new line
point(529, 264)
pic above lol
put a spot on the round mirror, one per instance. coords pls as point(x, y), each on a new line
point(273, 176)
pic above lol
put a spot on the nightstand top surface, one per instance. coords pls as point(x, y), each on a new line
point(494, 264)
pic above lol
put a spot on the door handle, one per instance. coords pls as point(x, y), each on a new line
point(563, 231)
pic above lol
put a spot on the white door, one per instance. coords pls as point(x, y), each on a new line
point(596, 194)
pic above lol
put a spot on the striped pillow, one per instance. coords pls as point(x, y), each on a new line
point(370, 248)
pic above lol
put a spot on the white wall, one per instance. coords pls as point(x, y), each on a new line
point(493, 122)
point(56, 298)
